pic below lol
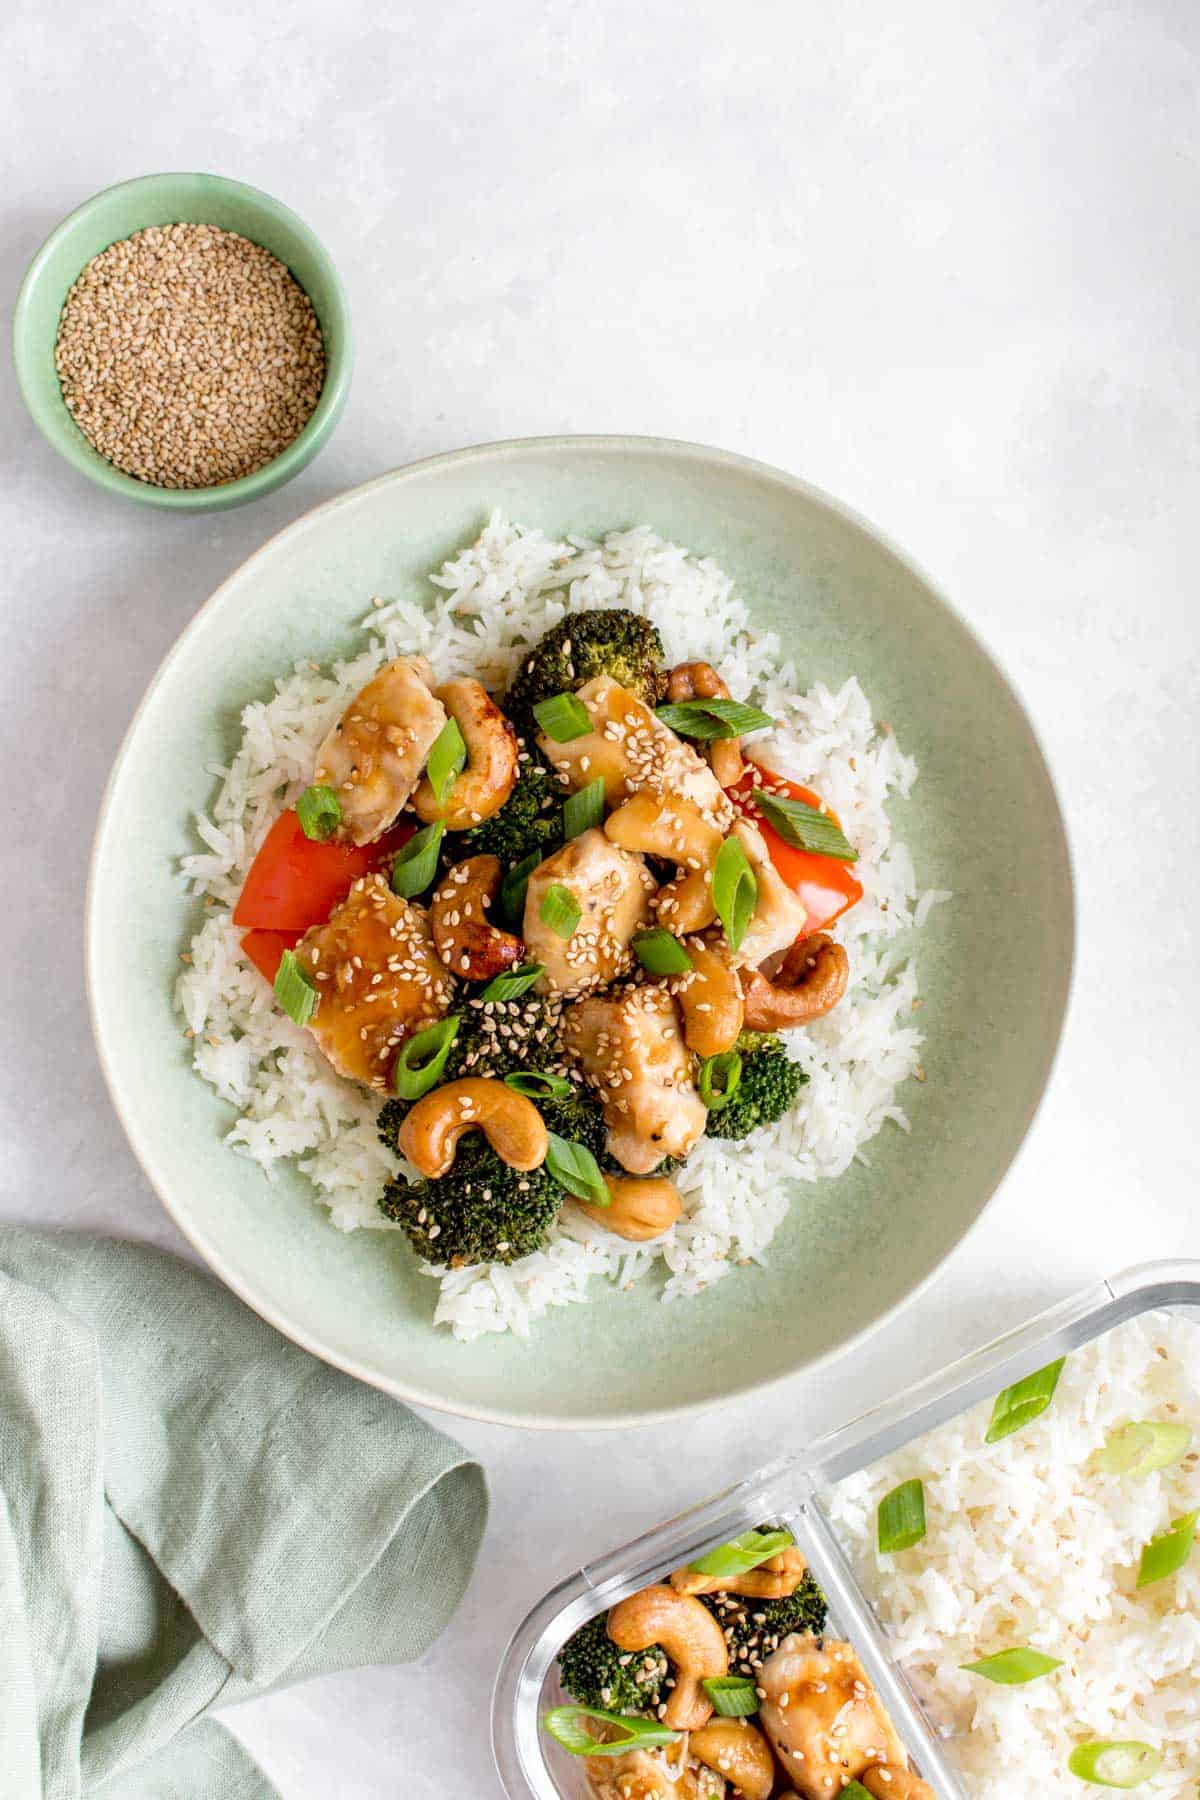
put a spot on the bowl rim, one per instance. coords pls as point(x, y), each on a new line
point(410, 1391)
point(73, 446)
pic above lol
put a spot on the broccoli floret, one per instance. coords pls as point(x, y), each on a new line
point(754, 1628)
point(769, 1084)
point(595, 1673)
point(608, 642)
point(529, 823)
point(482, 1211)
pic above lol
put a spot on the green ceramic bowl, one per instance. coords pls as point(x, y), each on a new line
point(994, 965)
point(166, 200)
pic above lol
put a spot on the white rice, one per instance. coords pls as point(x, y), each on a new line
point(1026, 1545)
point(489, 603)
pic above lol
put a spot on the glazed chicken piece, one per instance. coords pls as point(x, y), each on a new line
point(893, 1781)
point(779, 914)
point(380, 979)
point(374, 755)
point(823, 1717)
point(650, 1775)
point(632, 749)
point(630, 1045)
point(612, 888)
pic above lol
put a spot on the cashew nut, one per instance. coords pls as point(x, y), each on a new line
point(888, 1781)
point(641, 1208)
point(776, 1579)
point(672, 827)
point(686, 904)
point(466, 941)
point(809, 983)
point(691, 1637)
point(491, 770)
point(512, 1125)
point(700, 681)
point(738, 1751)
point(710, 999)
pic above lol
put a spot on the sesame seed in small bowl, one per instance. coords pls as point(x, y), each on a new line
point(184, 340)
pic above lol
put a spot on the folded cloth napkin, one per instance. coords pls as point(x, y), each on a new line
point(192, 1512)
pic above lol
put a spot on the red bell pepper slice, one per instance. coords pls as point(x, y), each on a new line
point(265, 949)
point(827, 887)
point(295, 882)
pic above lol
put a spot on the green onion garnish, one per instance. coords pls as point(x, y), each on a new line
point(733, 1696)
point(1022, 1403)
point(564, 1723)
point(1114, 1764)
point(1167, 1552)
point(659, 953)
point(295, 992)
point(1012, 1668)
point(320, 813)
point(743, 1552)
point(420, 1061)
point(575, 1168)
point(416, 862)
point(512, 888)
point(713, 718)
point(854, 1790)
point(805, 827)
point(512, 985)
point(447, 759)
point(535, 1084)
point(1142, 1447)
point(902, 1517)
point(734, 891)
point(563, 717)
point(720, 1078)
point(584, 810)
point(560, 910)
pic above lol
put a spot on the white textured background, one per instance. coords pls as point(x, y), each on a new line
point(942, 260)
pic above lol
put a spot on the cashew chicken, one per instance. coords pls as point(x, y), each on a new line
point(823, 1717)
point(512, 1125)
point(808, 984)
point(690, 1636)
point(738, 1752)
point(674, 829)
point(612, 891)
point(468, 943)
point(891, 1781)
point(646, 1775)
point(630, 1046)
point(710, 999)
point(630, 748)
point(375, 753)
point(775, 1579)
point(700, 681)
point(491, 769)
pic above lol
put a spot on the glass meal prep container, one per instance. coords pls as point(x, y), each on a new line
point(534, 1767)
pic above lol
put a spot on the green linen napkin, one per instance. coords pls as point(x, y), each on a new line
point(192, 1512)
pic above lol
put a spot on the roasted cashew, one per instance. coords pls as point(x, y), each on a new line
point(710, 999)
point(809, 983)
point(738, 1751)
point(691, 1637)
point(888, 1781)
point(641, 1208)
point(776, 1579)
point(466, 941)
point(512, 1125)
point(686, 904)
point(664, 825)
point(700, 681)
point(491, 770)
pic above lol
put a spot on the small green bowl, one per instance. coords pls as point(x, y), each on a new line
point(167, 200)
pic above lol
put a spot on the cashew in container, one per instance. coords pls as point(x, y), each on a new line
point(491, 770)
point(738, 1751)
point(776, 1579)
point(808, 984)
point(467, 942)
point(700, 681)
point(512, 1125)
point(888, 1781)
point(641, 1207)
point(688, 1633)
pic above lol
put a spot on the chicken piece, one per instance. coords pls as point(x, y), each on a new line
point(632, 749)
point(891, 1781)
point(374, 755)
point(613, 888)
point(630, 1045)
point(823, 1717)
point(779, 914)
point(650, 1775)
point(380, 979)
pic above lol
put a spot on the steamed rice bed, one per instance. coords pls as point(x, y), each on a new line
point(491, 601)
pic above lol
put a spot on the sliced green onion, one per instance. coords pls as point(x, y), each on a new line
point(1167, 1552)
point(713, 718)
point(720, 1079)
point(1142, 1447)
point(535, 1084)
point(512, 985)
point(320, 813)
point(659, 953)
point(854, 1790)
point(565, 1725)
point(902, 1517)
point(295, 992)
point(416, 862)
point(1107, 1762)
point(512, 888)
point(733, 1696)
point(743, 1552)
point(563, 717)
point(575, 1168)
point(1024, 1402)
point(734, 891)
point(560, 910)
point(584, 810)
point(1013, 1668)
point(805, 827)
point(447, 759)
point(420, 1061)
